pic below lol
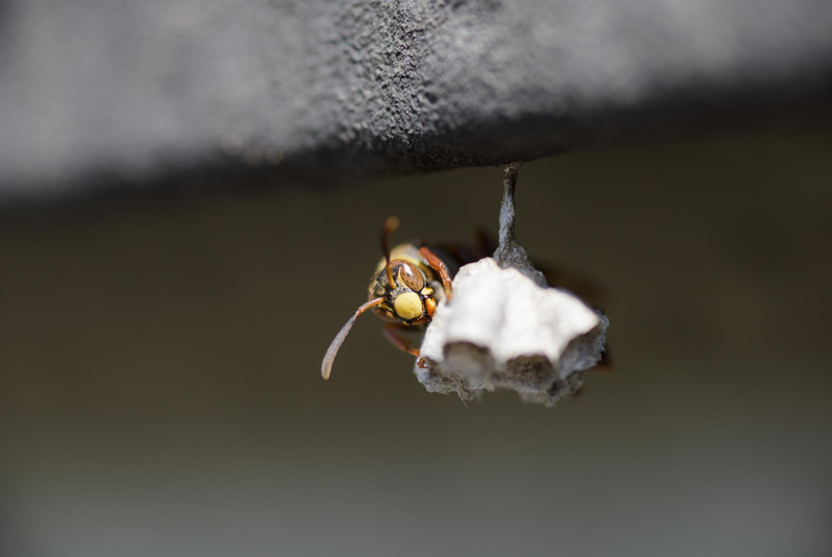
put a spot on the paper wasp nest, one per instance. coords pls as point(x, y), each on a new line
point(504, 328)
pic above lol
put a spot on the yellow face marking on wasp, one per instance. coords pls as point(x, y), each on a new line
point(430, 306)
point(408, 305)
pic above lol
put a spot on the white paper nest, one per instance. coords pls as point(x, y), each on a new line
point(502, 330)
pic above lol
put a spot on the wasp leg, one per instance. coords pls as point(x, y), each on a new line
point(439, 266)
point(397, 341)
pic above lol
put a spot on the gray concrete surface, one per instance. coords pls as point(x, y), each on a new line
point(101, 94)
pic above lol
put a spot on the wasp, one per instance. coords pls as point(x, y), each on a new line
point(411, 280)
point(408, 284)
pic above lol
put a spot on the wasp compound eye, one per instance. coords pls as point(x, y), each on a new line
point(412, 278)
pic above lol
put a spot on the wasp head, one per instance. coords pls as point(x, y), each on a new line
point(409, 299)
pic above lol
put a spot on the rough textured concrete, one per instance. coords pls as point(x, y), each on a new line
point(96, 93)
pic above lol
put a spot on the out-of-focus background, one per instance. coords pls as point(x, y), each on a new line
point(160, 390)
point(190, 199)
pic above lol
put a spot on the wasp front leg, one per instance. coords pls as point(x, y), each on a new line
point(439, 266)
point(391, 333)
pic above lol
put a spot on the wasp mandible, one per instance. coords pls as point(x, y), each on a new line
point(405, 289)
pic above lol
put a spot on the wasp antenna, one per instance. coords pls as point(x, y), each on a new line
point(329, 357)
point(391, 224)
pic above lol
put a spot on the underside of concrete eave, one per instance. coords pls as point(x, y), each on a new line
point(122, 95)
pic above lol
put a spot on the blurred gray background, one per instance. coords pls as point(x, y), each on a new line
point(160, 390)
point(190, 197)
